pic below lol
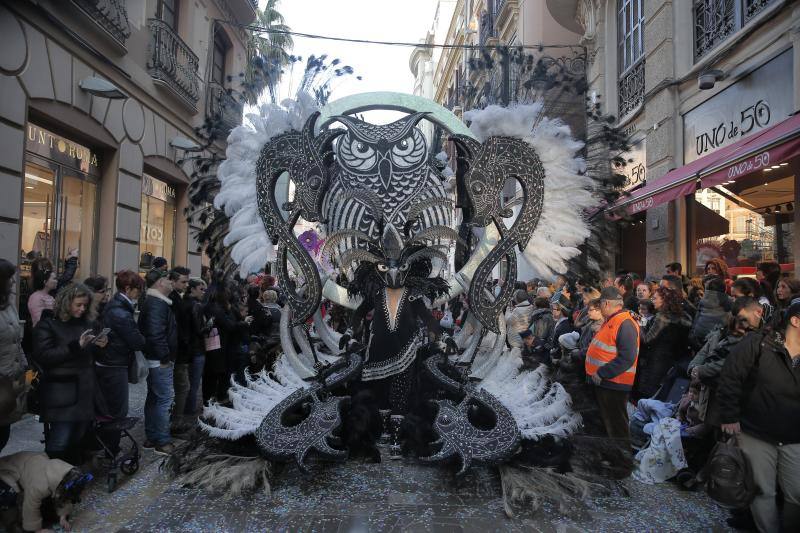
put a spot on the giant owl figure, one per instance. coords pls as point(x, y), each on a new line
point(389, 222)
point(391, 161)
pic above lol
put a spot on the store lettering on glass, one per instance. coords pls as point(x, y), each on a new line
point(153, 234)
point(756, 115)
point(53, 142)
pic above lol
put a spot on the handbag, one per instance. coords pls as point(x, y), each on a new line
point(213, 340)
point(137, 368)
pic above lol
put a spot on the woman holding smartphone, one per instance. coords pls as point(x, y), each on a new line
point(63, 350)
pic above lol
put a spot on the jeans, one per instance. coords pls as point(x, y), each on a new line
point(112, 401)
point(181, 382)
point(62, 439)
point(160, 394)
point(195, 382)
point(771, 463)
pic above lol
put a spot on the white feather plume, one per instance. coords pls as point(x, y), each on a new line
point(250, 245)
point(568, 192)
point(250, 402)
point(539, 406)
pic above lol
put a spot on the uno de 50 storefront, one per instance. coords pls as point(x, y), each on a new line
point(80, 173)
point(739, 180)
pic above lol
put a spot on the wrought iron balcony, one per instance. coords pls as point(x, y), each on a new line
point(109, 15)
point(631, 89)
point(487, 29)
point(715, 20)
point(753, 7)
point(222, 108)
point(172, 63)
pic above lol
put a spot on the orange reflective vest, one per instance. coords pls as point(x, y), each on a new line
point(603, 349)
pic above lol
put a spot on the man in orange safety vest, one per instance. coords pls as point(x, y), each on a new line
point(611, 363)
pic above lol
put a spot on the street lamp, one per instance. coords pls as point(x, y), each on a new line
point(102, 88)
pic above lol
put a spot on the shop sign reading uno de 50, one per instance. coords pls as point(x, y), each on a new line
point(60, 146)
point(757, 101)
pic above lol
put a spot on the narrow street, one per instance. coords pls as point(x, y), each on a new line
point(357, 496)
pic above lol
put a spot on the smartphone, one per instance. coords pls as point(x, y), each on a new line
point(102, 335)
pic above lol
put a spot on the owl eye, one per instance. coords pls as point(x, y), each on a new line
point(409, 151)
point(404, 267)
point(382, 268)
point(357, 155)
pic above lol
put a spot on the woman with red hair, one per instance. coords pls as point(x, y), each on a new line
point(664, 342)
point(111, 364)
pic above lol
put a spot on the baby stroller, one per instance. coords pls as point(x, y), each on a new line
point(127, 458)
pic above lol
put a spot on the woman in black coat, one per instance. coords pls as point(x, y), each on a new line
point(221, 363)
point(64, 347)
point(663, 343)
point(124, 339)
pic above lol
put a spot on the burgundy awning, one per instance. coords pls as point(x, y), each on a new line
point(767, 147)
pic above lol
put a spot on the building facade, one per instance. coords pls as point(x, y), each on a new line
point(707, 91)
point(101, 101)
point(458, 83)
point(491, 68)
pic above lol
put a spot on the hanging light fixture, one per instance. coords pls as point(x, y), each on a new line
point(102, 88)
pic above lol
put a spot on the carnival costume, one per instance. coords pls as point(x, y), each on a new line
point(387, 211)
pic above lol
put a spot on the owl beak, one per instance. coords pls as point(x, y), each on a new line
point(393, 275)
point(385, 167)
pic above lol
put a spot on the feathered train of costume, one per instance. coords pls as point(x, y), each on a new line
point(389, 218)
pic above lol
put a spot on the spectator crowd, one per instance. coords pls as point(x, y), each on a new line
point(677, 365)
point(674, 364)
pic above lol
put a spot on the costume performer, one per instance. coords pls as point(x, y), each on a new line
point(386, 208)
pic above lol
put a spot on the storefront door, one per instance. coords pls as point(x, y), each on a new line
point(59, 205)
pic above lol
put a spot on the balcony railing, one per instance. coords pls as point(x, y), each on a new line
point(109, 15)
point(172, 63)
point(487, 29)
point(222, 108)
point(715, 20)
point(631, 89)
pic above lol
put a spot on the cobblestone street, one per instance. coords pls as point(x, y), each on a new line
point(356, 496)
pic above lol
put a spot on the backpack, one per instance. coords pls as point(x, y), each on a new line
point(728, 476)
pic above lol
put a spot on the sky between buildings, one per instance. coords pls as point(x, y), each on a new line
point(383, 68)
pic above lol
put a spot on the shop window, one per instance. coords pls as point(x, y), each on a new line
point(157, 237)
point(59, 203)
point(755, 222)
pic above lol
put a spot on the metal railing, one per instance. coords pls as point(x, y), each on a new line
point(110, 15)
point(715, 20)
point(487, 29)
point(172, 62)
point(222, 108)
point(631, 89)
